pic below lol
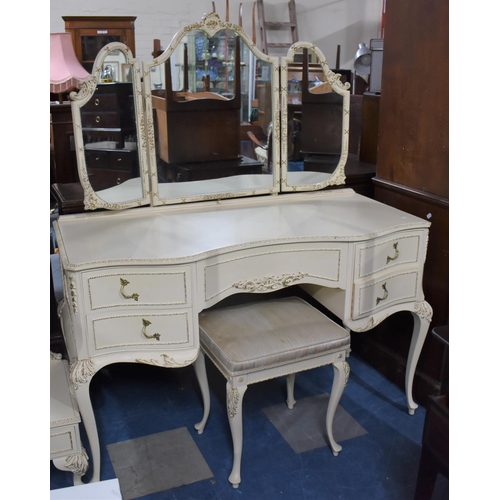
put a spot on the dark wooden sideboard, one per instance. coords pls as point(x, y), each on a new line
point(64, 167)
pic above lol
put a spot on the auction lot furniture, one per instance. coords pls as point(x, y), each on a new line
point(259, 341)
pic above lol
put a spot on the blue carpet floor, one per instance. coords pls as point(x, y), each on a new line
point(145, 416)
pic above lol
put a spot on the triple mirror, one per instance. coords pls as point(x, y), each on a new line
point(210, 117)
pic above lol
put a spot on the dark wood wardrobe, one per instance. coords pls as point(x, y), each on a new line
point(412, 174)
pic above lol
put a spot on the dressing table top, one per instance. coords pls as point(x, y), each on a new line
point(171, 235)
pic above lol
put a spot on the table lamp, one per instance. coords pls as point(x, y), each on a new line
point(66, 72)
point(362, 61)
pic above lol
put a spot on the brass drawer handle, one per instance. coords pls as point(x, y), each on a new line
point(396, 253)
point(124, 283)
point(97, 119)
point(386, 294)
point(145, 324)
point(96, 102)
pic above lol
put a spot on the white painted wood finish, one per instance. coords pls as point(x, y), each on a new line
point(270, 343)
point(338, 245)
point(66, 450)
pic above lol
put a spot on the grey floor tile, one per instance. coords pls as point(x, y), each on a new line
point(304, 427)
point(157, 462)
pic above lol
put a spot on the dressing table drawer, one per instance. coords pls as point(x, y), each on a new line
point(138, 288)
point(386, 253)
point(64, 441)
point(270, 268)
point(372, 295)
point(140, 331)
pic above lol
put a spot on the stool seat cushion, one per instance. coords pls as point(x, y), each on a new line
point(253, 336)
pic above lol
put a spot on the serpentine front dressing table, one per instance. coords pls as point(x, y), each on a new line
point(134, 281)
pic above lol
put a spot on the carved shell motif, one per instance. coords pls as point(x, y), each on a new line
point(268, 282)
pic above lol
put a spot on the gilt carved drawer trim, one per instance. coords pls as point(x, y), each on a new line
point(274, 269)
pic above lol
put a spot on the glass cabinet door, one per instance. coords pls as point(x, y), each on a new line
point(92, 44)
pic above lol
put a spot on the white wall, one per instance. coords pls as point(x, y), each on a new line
point(325, 23)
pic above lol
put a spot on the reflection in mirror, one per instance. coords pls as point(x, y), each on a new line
point(316, 126)
point(110, 154)
point(212, 110)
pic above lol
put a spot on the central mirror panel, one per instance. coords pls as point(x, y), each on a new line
point(211, 101)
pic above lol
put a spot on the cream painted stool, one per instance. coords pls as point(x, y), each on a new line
point(66, 450)
point(259, 341)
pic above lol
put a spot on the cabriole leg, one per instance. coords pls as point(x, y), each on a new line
point(421, 320)
point(340, 377)
point(201, 375)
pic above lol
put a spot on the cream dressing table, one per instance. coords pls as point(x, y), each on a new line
point(135, 281)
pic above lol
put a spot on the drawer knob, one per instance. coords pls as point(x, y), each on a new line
point(396, 253)
point(124, 283)
point(145, 324)
point(386, 294)
point(96, 102)
point(97, 119)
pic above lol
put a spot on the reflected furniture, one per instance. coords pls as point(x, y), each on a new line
point(216, 169)
point(109, 130)
point(66, 450)
point(109, 115)
point(321, 109)
point(259, 341)
point(91, 33)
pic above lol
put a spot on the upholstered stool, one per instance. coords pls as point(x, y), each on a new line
point(259, 341)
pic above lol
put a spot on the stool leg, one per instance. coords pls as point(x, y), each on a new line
point(290, 383)
point(340, 377)
point(201, 375)
point(234, 397)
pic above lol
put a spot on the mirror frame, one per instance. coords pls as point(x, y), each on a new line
point(211, 24)
point(338, 175)
point(91, 198)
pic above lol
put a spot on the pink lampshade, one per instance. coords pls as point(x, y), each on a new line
point(65, 69)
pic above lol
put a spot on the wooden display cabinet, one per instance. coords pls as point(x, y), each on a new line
point(91, 33)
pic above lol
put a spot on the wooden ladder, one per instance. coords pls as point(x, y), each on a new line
point(266, 25)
